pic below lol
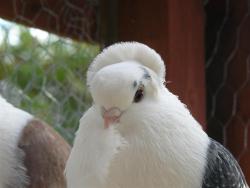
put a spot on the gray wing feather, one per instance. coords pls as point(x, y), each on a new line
point(222, 170)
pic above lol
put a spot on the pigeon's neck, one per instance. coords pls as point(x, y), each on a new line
point(162, 143)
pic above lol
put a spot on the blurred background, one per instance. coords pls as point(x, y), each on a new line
point(45, 75)
point(47, 45)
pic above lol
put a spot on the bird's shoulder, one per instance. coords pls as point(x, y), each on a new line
point(91, 116)
point(222, 170)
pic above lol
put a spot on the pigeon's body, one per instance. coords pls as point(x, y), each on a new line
point(32, 155)
point(12, 170)
point(137, 134)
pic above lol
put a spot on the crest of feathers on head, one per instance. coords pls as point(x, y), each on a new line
point(128, 51)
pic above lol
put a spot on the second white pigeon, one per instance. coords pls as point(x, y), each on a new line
point(138, 134)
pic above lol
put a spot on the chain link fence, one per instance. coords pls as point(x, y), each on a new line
point(43, 73)
point(228, 76)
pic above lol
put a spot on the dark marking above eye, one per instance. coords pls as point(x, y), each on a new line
point(134, 84)
point(146, 74)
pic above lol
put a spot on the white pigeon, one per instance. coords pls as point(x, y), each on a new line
point(32, 155)
point(138, 134)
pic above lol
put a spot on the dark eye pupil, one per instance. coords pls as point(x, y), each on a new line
point(139, 95)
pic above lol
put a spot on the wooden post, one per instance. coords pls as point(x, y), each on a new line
point(175, 29)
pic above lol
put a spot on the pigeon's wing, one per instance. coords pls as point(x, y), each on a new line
point(94, 148)
point(222, 169)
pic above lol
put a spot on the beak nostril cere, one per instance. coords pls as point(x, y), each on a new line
point(110, 116)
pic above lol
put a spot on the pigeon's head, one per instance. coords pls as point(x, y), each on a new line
point(124, 76)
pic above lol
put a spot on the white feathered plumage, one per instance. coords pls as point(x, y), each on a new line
point(137, 134)
point(12, 122)
point(31, 153)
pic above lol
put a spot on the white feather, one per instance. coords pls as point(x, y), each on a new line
point(95, 161)
point(12, 122)
point(157, 142)
point(128, 51)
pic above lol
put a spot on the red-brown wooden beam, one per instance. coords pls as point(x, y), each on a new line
point(69, 18)
point(175, 29)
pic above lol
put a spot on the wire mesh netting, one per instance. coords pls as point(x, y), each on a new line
point(74, 18)
point(43, 73)
point(228, 76)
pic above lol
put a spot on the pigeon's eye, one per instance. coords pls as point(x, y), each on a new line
point(139, 94)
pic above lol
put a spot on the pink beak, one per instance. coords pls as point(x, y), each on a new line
point(111, 116)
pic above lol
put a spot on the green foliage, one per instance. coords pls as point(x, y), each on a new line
point(47, 78)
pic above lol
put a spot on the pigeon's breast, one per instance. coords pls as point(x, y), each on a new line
point(142, 165)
